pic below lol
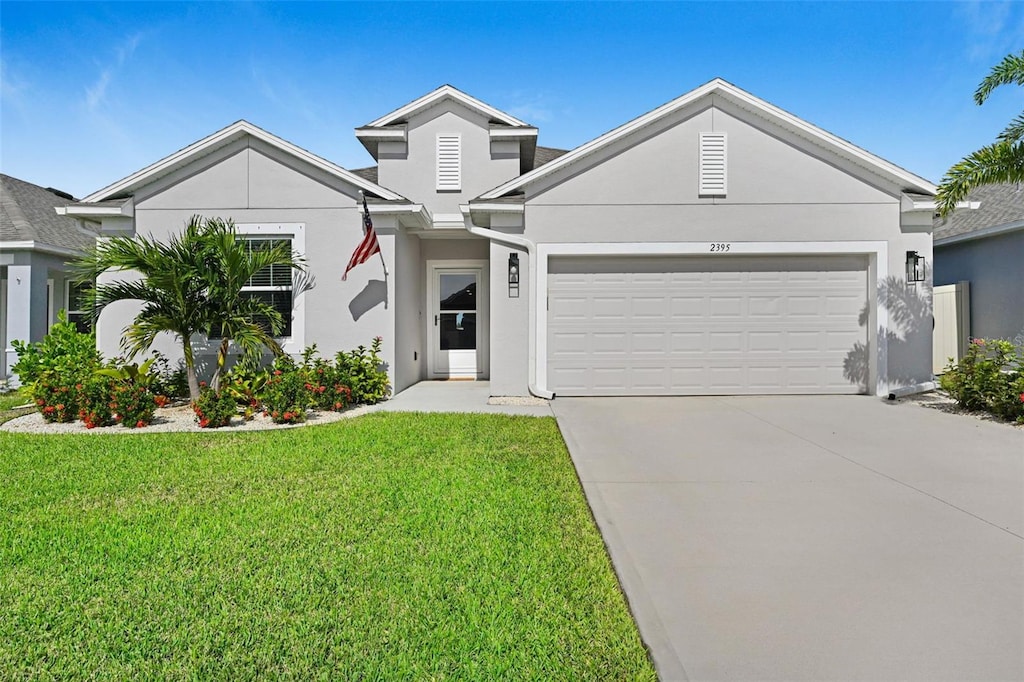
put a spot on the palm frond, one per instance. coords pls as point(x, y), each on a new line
point(997, 163)
point(1014, 131)
point(1010, 70)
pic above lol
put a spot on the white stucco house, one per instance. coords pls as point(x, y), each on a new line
point(715, 245)
point(36, 245)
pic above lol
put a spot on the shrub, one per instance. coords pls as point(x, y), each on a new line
point(989, 377)
point(171, 382)
point(285, 397)
point(326, 383)
point(362, 370)
point(57, 396)
point(64, 351)
point(133, 405)
point(97, 399)
point(214, 409)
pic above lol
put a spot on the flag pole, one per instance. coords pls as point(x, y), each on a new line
point(362, 197)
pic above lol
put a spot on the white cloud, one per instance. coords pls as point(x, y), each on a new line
point(96, 94)
point(991, 29)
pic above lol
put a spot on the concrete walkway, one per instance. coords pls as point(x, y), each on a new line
point(457, 396)
point(810, 538)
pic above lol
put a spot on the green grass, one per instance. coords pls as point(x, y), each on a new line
point(390, 547)
point(15, 398)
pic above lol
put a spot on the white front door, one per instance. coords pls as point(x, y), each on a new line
point(457, 322)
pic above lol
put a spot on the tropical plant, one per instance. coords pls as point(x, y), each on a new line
point(250, 322)
point(214, 409)
point(64, 351)
point(362, 370)
point(989, 377)
point(1000, 162)
point(191, 284)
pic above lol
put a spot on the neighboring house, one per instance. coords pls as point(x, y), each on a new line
point(985, 246)
point(715, 245)
point(36, 245)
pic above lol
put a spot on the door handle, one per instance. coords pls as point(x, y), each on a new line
point(435, 320)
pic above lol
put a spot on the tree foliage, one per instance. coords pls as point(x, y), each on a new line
point(188, 285)
point(1003, 160)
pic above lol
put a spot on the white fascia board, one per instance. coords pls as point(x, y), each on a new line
point(416, 213)
point(910, 205)
point(126, 210)
point(744, 100)
point(495, 207)
point(442, 92)
point(221, 138)
point(40, 247)
point(979, 234)
point(512, 133)
point(389, 134)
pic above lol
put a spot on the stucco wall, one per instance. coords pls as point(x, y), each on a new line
point(780, 189)
point(253, 184)
point(993, 266)
point(414, 176)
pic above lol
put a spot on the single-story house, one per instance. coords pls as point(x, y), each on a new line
point(714, 245)
point(985, 247)
point(36, 245)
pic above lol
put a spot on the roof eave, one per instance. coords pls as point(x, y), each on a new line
point(401, 114)
point(992, 231)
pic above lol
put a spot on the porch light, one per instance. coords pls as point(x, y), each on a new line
point(915, 267)
point(513, 275)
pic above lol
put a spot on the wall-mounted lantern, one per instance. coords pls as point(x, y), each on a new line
point(915, 267)
point(513, 275)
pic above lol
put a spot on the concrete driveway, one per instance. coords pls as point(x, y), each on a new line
point(810, 538)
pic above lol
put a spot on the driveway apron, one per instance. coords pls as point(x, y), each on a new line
point(809, 538)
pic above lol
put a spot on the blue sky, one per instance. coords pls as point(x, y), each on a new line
point(92, 92)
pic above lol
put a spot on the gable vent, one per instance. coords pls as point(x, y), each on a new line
point(449, 162)
point(712, 164)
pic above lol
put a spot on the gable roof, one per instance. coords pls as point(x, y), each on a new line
point(402, 114)
point(127, 186)
point(28, 215)
point(831, 143)
point(1000, 209)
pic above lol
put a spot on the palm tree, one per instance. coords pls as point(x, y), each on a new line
point(230, 264)
point(190, 285)
point(1003, 160)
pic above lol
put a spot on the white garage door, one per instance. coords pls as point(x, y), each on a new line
point(704, 326)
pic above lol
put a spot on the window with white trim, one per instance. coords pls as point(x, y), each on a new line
point(74, 305)
point(449, 162)
point(278, 285)
point(712, 165)
point(272, 285)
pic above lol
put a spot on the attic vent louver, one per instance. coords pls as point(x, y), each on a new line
point(449, 162)
point(712, 164)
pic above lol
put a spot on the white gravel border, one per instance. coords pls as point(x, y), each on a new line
point(173, 420)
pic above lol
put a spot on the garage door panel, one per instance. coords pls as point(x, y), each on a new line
point(719, 326)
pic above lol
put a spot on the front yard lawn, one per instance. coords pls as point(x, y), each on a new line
point(390, 546)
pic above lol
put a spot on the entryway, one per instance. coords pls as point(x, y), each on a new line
point(457, 322)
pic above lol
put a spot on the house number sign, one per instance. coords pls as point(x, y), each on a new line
point(719, 247)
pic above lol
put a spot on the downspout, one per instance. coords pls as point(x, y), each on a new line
point(531, 250)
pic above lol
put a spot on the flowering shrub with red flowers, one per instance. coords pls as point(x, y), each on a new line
point(133, 405)
point(214, 409)
point(364, 372)
point(97, 401)
point(285, 396)
point(989, 377)
point(56, 397)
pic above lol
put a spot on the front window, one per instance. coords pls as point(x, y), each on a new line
point(272, 285)
point(74, 304)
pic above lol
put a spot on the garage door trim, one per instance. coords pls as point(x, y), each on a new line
point(877, 252)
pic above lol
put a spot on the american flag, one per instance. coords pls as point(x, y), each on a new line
point(367, 247)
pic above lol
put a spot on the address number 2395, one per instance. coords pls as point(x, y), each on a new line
point(719, 247)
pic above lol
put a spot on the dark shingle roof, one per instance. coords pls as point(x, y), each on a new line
point(367, 173)
point(547, 154)
point(27, 214)
point(1000, 205)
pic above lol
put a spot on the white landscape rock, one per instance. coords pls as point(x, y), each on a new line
point(173, 419)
